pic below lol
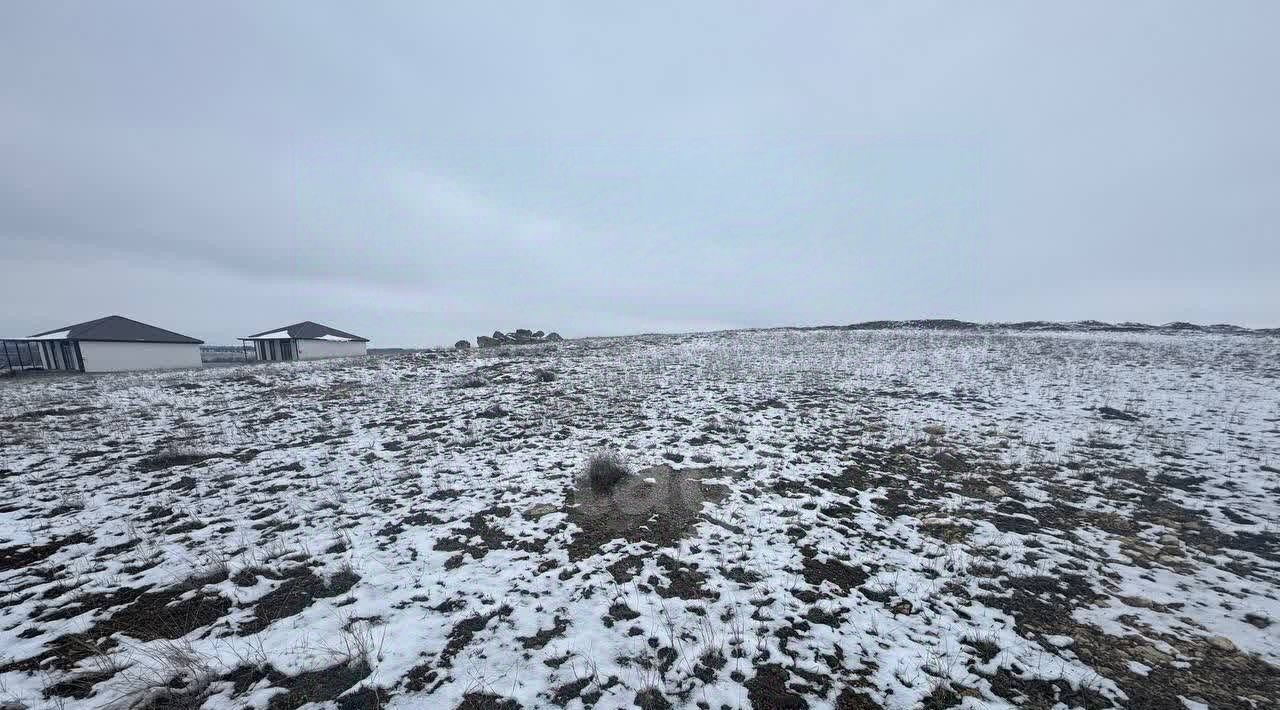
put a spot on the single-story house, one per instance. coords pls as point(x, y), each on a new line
point(108, 344)
point(305, 341)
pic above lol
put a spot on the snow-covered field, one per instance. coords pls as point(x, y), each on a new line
point(818, 519)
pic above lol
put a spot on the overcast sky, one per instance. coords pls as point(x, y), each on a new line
point(422, 172)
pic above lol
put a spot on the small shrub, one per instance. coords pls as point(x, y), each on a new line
point(605, 469)
point(493, 411)
point(472, 380)
point(72, 500)
point(167, 674)
point(544, 375)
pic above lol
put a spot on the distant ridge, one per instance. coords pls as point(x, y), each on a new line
point(1095, 326)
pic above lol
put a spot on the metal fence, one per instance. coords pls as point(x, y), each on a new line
point(19, 354)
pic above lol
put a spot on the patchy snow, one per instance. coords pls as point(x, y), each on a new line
point(278, 335)
point(1139, 668)
point(1059, 641)
point(334, 338)
point(848, 519)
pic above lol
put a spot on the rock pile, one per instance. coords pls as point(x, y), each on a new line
point(520, 336)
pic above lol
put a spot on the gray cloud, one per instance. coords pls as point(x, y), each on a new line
point(421, 174)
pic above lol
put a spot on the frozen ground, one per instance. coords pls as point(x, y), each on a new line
point(845, 519)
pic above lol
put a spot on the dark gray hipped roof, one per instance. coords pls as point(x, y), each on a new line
point(307, 330)
point(120, 329)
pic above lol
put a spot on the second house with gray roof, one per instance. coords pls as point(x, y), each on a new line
point(305, 341)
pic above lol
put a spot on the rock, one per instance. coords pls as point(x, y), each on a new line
point(537, 511)
point(1257, 620)
point(1168, 540)
point(462, 345)
point(995, 491)
point(1113, 413)
point(1152, 655)
point(1139, 602)
point(1143, 549)
point(519, 336)
point(935, 429)
point(1222, 643)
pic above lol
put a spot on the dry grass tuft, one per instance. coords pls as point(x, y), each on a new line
point(605, 469)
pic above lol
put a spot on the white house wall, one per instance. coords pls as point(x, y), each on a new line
point(319, 349)
point(117, 357)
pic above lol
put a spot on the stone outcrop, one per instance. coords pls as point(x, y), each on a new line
point(519, 336)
